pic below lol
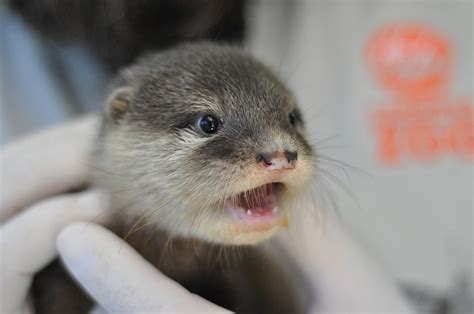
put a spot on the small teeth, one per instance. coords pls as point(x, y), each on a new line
point(274, 210)
point(249, 212)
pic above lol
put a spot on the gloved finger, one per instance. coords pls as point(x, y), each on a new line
point(343, 276)
point(51, 162)
point(119, 278)
point(28, 241)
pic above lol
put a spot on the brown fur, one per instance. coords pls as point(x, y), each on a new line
point(243, 279)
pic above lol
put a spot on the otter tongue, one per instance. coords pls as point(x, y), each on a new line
point(258, 202)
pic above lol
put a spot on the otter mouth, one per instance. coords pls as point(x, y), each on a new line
point(258, 205)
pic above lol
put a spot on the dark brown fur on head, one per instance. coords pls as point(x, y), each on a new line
point(174, 175)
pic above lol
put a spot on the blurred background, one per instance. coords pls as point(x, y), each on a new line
point(386, 87)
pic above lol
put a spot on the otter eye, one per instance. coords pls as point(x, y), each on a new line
point(208, 124)
point(292, 118)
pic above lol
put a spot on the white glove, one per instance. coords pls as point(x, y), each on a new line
point(119, 278)
point(342, 277)
point(34, 171)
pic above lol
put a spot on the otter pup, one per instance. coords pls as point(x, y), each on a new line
point(203, 152)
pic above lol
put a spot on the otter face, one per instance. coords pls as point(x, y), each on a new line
point(205, 142)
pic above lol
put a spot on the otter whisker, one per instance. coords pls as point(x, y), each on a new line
point(337, 181)
point(327, 195)
point(295, 70)
point(318, 212)
point(143, 217)
point(342, 164)
point(95, 167)
point(341, 185)
point(165, 247)
point(94, 219)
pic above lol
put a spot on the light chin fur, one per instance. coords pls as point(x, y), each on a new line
point(252, 238)
point(234, 234)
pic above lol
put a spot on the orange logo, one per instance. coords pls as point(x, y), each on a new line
point(412, 65)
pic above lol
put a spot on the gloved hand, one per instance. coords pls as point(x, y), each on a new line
point(35, 171)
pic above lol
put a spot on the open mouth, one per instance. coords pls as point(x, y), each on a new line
point(256, 205)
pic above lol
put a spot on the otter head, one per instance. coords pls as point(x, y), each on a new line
point(205, 142)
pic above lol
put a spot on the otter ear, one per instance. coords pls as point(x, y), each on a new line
point(118, 103)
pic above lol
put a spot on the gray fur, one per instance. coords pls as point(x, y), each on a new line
point(156, 150)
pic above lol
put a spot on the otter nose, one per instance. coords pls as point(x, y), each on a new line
point(278, 160)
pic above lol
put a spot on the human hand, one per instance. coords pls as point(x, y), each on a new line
point(36, 172)
point(28, 242)
point(119, 278)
